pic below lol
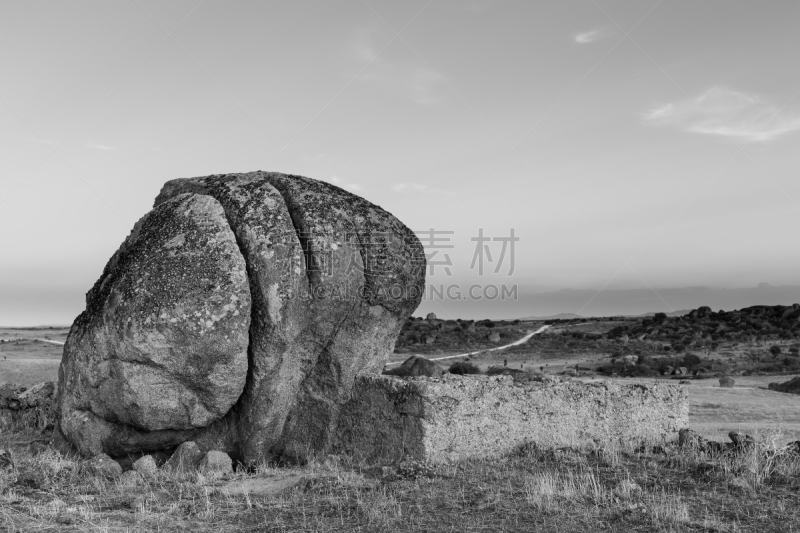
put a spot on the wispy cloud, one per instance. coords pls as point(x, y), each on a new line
point(418, 188)
point(98, 146)
point(589, 36)
point(728, 113)
point(336, 180)
point(411, 79)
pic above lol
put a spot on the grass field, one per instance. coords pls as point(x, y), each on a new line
point(533, 490)
point(32, 355)
point(749, 406)
point(560, 491)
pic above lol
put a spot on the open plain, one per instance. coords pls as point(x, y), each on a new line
point(670, 488)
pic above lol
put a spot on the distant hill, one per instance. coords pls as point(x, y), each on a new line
point(560, 316)
point(571, 316)
point(612, 302)
point(671, 314)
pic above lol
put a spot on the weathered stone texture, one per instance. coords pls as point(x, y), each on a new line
point(35, 406)
point(215, 464)
point(332, 277)
point(161, 349)
point(185, 458)
point(324, 278)
point(457, 417)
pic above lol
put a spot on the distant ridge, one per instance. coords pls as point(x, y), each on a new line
point(560, 316)
point(48, 326)
point(671, 313)
point(572, 316)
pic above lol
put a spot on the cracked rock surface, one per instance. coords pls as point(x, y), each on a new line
point(238, 314)
point(161, 348)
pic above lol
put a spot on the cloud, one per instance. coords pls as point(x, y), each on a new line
point(336, 180)
point(589, 36)
point(410, 79)
point(98, 146)
point(727, 113)
point(418, 188)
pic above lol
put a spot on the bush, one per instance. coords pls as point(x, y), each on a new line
point(690, 360)
point(617, 332)
point(775, 350)
point(463, 368)
point(640, 371)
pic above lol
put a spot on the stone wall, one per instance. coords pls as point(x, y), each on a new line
point(457, 417)
point(33, 408)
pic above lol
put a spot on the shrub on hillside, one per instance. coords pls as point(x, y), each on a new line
point(691, 360)
point(775, 350)
point(640, 371)
point(464, 368)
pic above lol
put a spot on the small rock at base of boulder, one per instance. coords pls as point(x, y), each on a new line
point(146, 466)
point(103, 465)
point(726, 381)
point(216, 464)
point(416, 366)
point(186, 457)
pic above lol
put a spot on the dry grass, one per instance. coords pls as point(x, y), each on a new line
point(561, 491)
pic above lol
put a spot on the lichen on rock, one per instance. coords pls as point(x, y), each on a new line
point(238, 314)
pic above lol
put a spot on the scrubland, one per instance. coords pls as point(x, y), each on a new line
point(670, 488)
point(662, 489)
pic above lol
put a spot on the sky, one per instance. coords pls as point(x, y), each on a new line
point(629, 144)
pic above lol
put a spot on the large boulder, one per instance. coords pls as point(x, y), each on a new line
point(161, 349)
point(330, 278)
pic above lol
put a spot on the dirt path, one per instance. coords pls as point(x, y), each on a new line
point(48, 340)
point(515, 343)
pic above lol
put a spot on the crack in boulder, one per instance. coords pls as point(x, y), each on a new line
point(327, 280)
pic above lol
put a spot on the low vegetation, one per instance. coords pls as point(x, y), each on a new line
point(690, 488)
point(699, 486)
point(759, 340)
